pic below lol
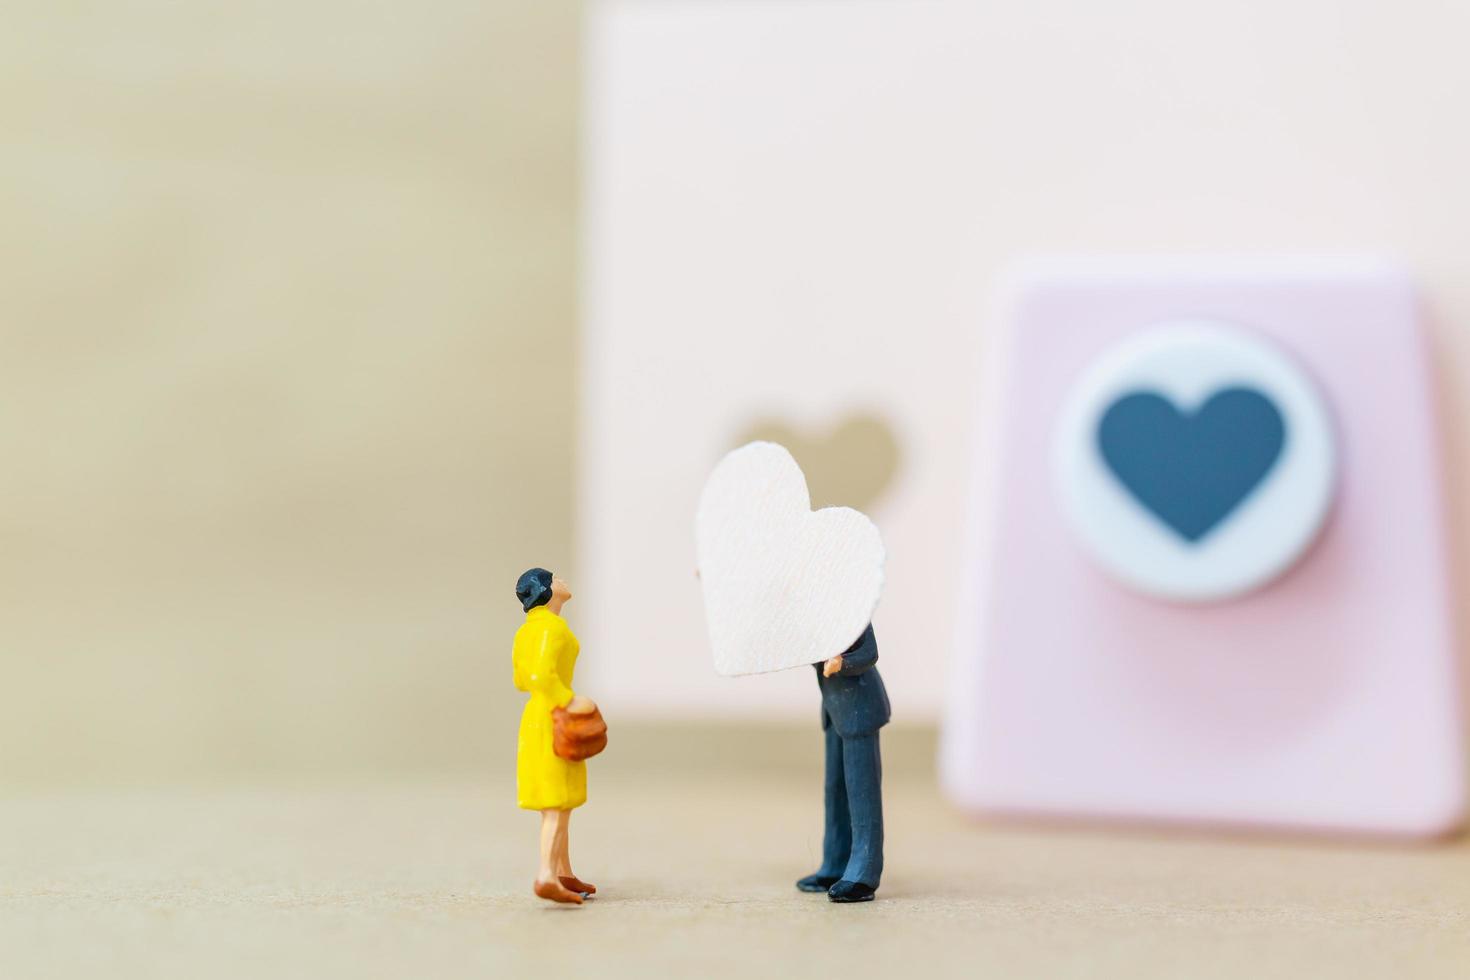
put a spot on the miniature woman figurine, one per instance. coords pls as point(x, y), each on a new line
point(544, 657)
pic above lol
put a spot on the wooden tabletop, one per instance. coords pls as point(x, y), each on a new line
point(694, 838)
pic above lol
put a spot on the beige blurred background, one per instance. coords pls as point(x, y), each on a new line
point(287, 354)
point(287, 306)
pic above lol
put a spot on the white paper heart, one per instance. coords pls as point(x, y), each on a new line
point(783, 585)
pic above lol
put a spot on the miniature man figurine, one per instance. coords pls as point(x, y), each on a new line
point(760, 547)
point(559, 730)
point(854, 707)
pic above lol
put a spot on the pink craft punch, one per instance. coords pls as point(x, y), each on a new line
point(1207, 580)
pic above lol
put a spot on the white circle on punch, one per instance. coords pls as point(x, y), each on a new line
point(1195, 462)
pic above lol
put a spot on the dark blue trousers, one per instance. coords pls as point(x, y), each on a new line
point(852, 847)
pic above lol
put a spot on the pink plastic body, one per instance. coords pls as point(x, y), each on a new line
point(1327, 701)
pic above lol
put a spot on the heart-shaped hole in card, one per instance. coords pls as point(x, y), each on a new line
point(784, 585)
point(850, 464)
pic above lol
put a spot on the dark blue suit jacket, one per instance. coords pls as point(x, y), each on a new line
point(854, 699)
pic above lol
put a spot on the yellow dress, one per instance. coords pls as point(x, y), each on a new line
point(543, 658)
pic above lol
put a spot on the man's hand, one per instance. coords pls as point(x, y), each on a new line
point(832, 666)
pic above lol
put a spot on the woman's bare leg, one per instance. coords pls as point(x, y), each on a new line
point(563, 858)
point(548, 845)
point(547, 885)
point(561, 855)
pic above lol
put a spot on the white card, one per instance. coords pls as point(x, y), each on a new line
point(818, 238)
point(784, 585)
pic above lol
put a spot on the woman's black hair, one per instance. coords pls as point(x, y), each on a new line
point(533, 588)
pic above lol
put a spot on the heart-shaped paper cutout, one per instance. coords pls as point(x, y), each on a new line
point(783, 585)
point(1192, 470)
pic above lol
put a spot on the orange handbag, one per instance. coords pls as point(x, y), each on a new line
point(578, 735)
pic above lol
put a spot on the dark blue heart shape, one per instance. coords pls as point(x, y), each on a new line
point(1192, 470)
